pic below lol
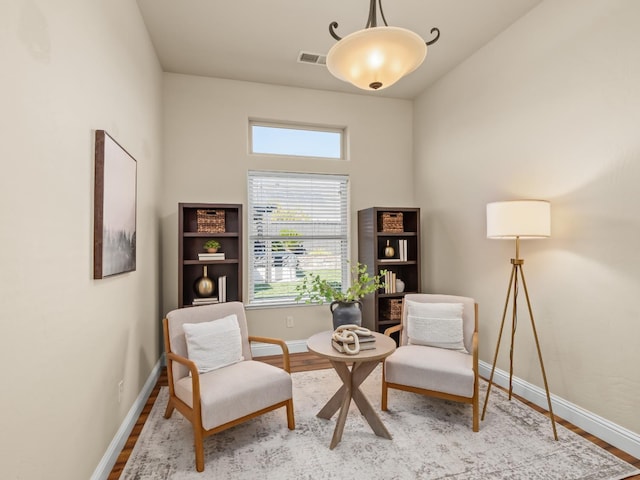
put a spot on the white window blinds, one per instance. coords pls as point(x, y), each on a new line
point(298, 224)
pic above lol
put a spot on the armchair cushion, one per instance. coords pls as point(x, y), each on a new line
point(215, 344)
point(435, 325)
point(431, 368)
point(237, 390)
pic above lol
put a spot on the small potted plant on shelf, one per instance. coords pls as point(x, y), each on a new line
point(345, 305)
point(211, 246)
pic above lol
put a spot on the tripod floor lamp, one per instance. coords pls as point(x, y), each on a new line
point(515, 220)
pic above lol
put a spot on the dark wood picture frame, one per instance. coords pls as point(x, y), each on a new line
point(114, 226)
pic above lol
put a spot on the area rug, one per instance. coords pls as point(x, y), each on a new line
point(432, 439)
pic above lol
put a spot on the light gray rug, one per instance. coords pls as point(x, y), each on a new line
point(432, 439)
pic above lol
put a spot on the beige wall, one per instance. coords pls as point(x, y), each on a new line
point(70, 67)
point(549, 110)
point(207, 160)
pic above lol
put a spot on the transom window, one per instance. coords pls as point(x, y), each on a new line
point(296, 140)
point(298, 224)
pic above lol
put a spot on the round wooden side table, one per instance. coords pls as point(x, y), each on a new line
point(363, 364)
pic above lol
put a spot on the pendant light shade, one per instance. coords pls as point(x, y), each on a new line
point(376, 58)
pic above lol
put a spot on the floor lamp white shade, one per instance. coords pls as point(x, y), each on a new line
point(519, 219)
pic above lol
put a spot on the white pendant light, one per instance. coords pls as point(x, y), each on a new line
point(376, 57)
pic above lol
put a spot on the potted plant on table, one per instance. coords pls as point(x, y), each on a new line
point(345, 304)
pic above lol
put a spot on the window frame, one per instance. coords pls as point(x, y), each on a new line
point(342, 131)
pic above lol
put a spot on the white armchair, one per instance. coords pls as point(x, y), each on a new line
point(438, 351)
point(213, 381)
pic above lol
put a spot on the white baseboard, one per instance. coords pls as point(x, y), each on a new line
point(602, 428)
point(110, 457)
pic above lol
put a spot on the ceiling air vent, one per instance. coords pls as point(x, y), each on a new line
point(312, 58)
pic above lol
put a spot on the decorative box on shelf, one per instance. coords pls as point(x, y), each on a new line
point(211, 221)
point(391, 222)
point(393, 311)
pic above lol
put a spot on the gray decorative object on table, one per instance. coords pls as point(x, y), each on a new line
point(346, 313)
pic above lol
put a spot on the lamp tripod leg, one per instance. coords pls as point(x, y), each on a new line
point(535, 336)
point(495, 356)
point(514, 319)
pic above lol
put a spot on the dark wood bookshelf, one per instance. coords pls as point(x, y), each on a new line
point(373, 236)
point(190, 244)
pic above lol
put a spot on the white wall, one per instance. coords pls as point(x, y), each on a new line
point(71, 67)
point(549, 109)
point(207, 160)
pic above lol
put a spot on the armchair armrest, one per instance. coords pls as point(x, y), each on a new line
point(184, 361)
point(395, 328)
point(276, 341)
point(195, 378)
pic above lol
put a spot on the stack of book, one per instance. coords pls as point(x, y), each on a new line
point(367, 342)
point(204, 301)
point(389, 281)
point(402, 250)
point(211, 256)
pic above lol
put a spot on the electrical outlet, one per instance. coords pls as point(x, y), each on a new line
point(120, 390)
point(289, 322)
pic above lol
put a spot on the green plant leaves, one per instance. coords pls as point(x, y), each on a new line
point(316, 289)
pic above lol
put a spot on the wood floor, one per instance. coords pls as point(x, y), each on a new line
point(301, 362)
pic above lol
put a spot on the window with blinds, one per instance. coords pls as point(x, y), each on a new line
point(298, 224)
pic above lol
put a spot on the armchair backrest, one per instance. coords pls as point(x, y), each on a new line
point(469, 320)
point(198, 314)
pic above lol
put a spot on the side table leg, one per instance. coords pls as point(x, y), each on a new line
point(359, 373)
point(332, 405)
point(370, 414)
point(342, 417)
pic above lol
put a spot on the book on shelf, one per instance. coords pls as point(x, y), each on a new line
point(387, 260)
point(211, 256)
point(204, 301)
point(222, 288)
point(402, 250)
point(339, 346)
point(389, 282)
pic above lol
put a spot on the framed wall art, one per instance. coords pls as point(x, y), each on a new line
point(114, 230)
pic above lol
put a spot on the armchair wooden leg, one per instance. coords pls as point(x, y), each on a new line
point(476, 415)
point(384, 396)
point(475, 403)
point(169, 410)
point(291, 422)
point(198, 445)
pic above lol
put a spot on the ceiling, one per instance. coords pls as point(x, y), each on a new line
point(260, 41)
